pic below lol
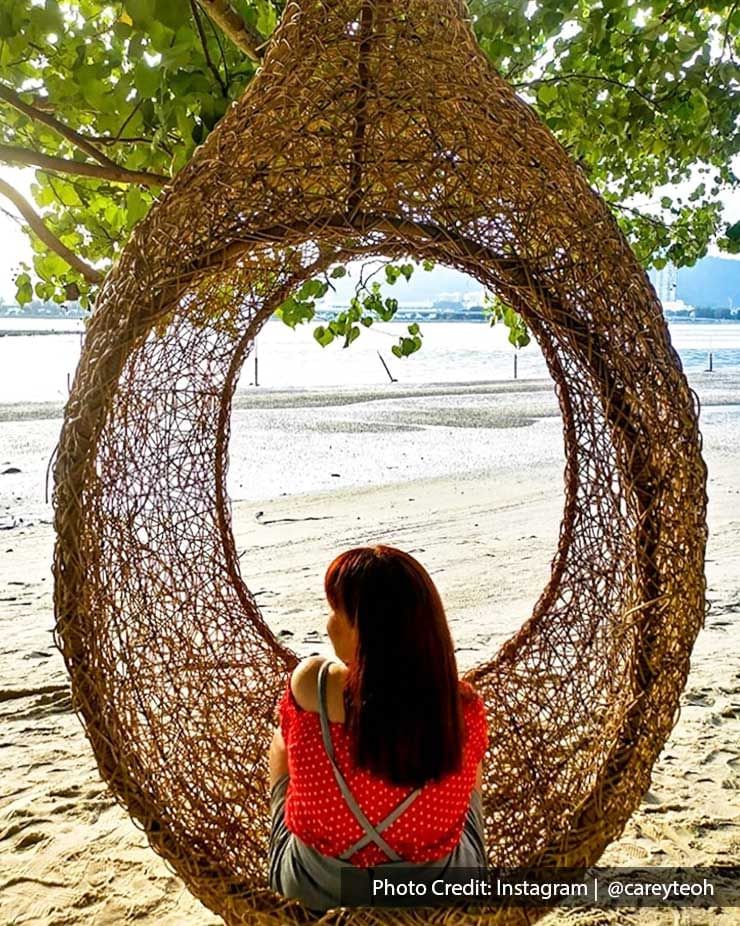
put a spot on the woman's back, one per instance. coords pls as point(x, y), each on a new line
point(316, 812)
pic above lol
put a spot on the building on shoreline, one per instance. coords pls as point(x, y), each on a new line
point(443, 309)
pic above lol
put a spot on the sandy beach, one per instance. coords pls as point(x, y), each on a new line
point(469, 480)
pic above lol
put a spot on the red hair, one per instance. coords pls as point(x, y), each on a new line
point(402, 696)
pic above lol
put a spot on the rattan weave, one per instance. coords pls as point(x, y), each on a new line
point(373, 128)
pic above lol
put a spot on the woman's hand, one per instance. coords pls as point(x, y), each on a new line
point(278, 757)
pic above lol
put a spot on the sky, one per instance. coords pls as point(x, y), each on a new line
point(14, 246)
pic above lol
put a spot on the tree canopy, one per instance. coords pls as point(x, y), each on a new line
point(108, 100)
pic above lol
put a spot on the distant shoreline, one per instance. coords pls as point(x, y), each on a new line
point(700, 321)
point(323, 317)
point(32, 334)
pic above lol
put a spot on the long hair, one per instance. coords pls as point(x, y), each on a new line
point(402, 696)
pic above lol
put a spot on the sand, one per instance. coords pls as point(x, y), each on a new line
point(70, 855)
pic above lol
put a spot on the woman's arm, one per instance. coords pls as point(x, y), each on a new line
point(278, 757)
point(479, 776)
point(303, 687)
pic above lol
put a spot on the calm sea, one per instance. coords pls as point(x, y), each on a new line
point(38, 368)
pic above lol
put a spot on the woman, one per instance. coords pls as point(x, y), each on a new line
point(378, 757)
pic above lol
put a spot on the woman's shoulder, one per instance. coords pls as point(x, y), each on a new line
point(303, 681)
point(474, 707)
point(468, 694)
point(303, 685)
point(301, 692)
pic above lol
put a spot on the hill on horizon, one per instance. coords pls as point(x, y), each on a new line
point(712, 281)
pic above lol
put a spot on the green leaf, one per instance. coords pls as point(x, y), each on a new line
point(733, 232)
point(49, 266)
point(406, 346)
point(388, 310)
point(169, 12)
point(8, 29)
point(147, 79)
point(44, 291)
point(547, 93)
point(140, 12)
point(312, 289)
point(295, 312)
point(352, 334)
point(136, 205)
point(23, 292)
point(323, 335)
point(266, 17)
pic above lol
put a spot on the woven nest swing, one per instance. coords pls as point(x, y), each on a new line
point(374, 128)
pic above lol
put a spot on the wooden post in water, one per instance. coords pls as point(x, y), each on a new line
point(515, 360)
point(256, 365)
point(385, 367)
point(710, 368)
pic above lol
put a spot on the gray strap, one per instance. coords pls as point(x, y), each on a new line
point(372, 833)
point(384, 824)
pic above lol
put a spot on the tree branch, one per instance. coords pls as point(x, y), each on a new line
point(232, 25)
point(79, 141)
point(124, 140)
point(49, 238)
point(12, 155)
point(607, 80)
point(123, 175)
point(204, 44)
point(219, 41)
point(128, 118)
point(647, 218)
point(726, 38)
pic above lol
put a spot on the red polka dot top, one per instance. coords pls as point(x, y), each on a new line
point(316, 812)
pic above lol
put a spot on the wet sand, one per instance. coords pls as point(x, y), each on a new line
point(70, 855)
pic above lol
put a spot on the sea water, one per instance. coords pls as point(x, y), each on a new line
point(40, 368)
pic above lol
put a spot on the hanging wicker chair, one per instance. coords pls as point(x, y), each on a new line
point(373, 128)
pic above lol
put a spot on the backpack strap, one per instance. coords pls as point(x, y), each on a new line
point(372, 833)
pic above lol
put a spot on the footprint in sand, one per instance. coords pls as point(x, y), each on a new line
point(64, 808)
point(16, 828)
point(71, 791)
point(30, 839)
point(721, 755)
point(699, 698)
point(633, 851)
point(16, 812)
point(86, 900)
